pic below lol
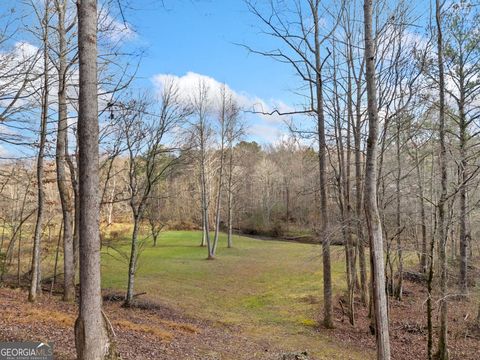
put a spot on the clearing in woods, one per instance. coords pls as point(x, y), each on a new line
point(269, 290)
point(258, 300)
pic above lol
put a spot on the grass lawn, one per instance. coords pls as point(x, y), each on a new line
point(270, 289)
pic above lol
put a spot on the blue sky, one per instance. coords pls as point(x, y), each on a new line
point(181, 37)
point(201, 36)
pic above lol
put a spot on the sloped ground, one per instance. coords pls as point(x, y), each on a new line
point(141, 334)
point(259, 300)
point(160, 332)
point(408, 327)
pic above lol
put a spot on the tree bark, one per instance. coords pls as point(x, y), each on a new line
point(35, 283)
point(92, 337)
point(423, 216)
point(442, 352)
point(322, 164)
point(398, 216)
point(203, 180)
point(220, 175)
point(230, 197)
point(462, 179)
point(132, 266)
point(61, 162)
point(358, 196)
point(371, 209)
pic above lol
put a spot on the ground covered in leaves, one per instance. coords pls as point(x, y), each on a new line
point(259, 300)
point(155, 331)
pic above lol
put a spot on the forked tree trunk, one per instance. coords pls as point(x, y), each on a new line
point(371, 210)
point(93, 339)
point(35, 286)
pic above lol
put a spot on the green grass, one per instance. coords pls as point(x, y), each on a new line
point(271, 290)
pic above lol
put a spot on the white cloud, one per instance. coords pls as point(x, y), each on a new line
point(120, 32)
point(188, 85)
point(267, 133)
point(268, 127)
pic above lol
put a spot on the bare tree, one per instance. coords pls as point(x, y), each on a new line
point(462, 61)
point(149, 158)
point(234, 133)
point(202, 134)
point(305, 52)
point(229, 112)
point(442, 230)
point(62, 155)
point(35, 283)
point(371, 211)
point(93, 339)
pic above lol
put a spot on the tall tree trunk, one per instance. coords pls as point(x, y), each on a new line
point(348, 205)
point(442, 353)
point(206, 230)
point(322, 164)
point(220, 181)
point(343, 183)
point(358, 197)
point(429, 298)
point(371, 209)
point(398, 216)
point(61, 156)
point(463, 178)
point(423, 216)
point(230, 197)
point(35, 283)
point(93, 339)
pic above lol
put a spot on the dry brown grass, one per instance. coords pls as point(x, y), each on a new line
point(182, 327)
point(30, 314)
point(158, 333)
